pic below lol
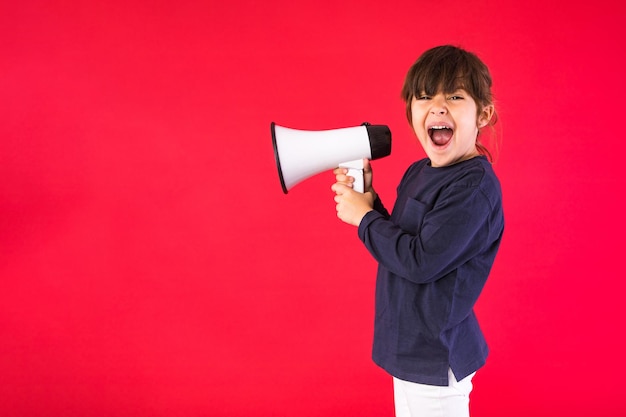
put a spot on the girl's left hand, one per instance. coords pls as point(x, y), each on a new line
point(352, 206)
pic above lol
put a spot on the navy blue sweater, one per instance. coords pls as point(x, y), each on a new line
point(434, 252)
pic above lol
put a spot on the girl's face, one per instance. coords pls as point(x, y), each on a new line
point(447, 125)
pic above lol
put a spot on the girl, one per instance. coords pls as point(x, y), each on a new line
point(436, 248)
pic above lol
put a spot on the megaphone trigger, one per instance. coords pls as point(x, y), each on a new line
point(355, 170)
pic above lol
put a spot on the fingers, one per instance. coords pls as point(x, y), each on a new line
point(350, 205)
point(340, 188)
point(341, 177)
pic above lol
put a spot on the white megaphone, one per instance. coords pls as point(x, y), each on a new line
point(301, 154)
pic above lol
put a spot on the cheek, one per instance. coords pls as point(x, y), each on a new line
point(417, 120)
point(467, 131)
point(470, 121)
point(418, 128)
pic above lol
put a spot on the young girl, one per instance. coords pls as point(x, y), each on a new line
point(436, 248)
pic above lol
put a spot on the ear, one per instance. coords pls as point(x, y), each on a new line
point(485, 116)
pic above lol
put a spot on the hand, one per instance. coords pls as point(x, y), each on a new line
point(351, 205)
point(342, 177)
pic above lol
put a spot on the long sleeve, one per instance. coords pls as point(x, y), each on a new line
point(434, 253)
point(426, 243)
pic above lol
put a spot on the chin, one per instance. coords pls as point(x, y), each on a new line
point(438, 159)
point(437, 162)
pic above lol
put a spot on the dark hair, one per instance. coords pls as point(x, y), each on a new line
point(446, 69)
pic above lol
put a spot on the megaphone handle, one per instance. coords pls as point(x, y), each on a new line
point(355, 169)
point(357, 185)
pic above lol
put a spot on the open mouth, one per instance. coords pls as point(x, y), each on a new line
point(440, 135)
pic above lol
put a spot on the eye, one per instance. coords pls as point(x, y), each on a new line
point(455, 97)
point(422, 97)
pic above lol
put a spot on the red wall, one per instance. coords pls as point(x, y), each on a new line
point(151, 265)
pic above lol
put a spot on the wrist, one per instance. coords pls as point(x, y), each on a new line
point(361, 217)
point(373, 193)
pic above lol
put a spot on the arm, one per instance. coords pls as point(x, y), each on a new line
point(432, 241)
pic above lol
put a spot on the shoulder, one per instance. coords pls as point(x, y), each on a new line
point(474, 176)
point(468, 173)
point(475, 172)
point(489, 184)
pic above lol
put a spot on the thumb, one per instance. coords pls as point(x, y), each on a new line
point(367, 167)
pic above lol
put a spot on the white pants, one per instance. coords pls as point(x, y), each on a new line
point(419, 400)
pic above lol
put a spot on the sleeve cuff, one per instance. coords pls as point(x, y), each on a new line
point(369, 217)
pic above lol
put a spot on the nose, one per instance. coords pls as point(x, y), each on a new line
point(438, 106)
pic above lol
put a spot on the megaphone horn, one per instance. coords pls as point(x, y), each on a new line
point(301, 154)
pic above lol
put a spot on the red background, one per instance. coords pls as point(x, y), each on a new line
point(151, 265)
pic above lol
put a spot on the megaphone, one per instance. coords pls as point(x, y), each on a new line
point(301, 154)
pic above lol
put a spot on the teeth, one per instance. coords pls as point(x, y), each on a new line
point(439, 127)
